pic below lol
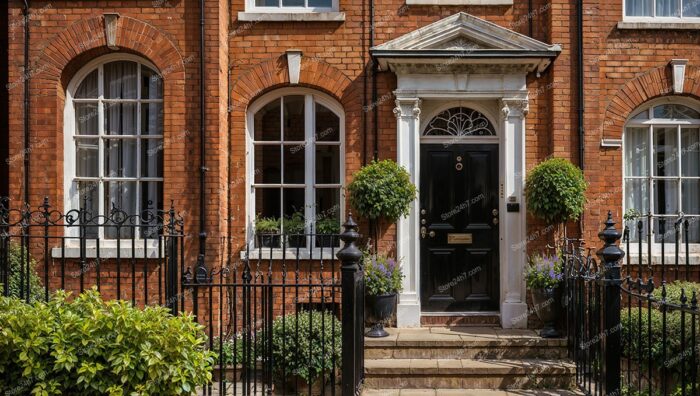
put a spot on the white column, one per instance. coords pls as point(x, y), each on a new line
point(513, 260)
point(407, 113)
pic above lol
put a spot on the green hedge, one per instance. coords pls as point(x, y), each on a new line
point(15, 266)
point(91, 347)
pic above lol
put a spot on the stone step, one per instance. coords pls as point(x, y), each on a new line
point(469, 392)
point(447, 320)
point(464, 343)
point(468, 374)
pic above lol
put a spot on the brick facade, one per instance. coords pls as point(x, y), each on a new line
point(243, 60)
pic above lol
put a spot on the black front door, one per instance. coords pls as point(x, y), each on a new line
point(459, 227)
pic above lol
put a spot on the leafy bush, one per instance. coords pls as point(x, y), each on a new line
point(383, 275)
point(555, 191)
point(307, 344)
point(544, 271)
point(91, 347)
point(382, 189)
point(328, 225)
point(294, 224)
point(673, 292)
point(233, 350)
point(267, 225)
point(14, 258)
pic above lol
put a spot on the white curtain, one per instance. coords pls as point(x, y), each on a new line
point(639, 7)
point(668, 8)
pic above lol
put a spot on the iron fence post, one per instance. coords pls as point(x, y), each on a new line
point(171, 287)
point(350, 257)
point(610, 255)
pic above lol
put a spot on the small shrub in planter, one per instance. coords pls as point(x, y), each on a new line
point(382, 189)
point(14, 258)
point(267, 230)
point(306, 348)
point(543, 277)
point(327, 230)
point(383, 280)
point(294, 228)
point(91, 347)
point(233, 355)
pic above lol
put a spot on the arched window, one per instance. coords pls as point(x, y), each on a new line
point(296, 167)
point(662, 167)
point(459, 122)
point(114, 140)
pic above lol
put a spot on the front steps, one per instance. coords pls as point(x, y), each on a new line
point(453, 360)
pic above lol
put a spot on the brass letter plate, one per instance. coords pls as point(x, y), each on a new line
point(459, 239)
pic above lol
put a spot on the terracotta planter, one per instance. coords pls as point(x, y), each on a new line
point(547, 302)
point(379, 310)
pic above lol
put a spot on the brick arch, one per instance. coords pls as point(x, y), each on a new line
point(653, 84)
point(68, 51)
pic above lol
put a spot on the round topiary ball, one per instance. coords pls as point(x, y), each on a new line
point(382, 189)
point(555, 191)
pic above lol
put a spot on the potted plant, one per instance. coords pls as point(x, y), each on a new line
point(382, 190)
point(327, 230)
point(543, 277)
point(383, 277)
point(267, 230)
point(294, 227)
point(306, 350)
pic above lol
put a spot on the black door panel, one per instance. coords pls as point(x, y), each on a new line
point(459, 234)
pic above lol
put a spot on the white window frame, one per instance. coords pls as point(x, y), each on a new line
point(654, 18)
point(650, 123)
point(71, 194)
point(252, 8)
point(310, 98)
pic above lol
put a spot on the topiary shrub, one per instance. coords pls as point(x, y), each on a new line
point(91, 347)
point(555, 191)
point(382, 189)
point(14, 258)
point(306, 344)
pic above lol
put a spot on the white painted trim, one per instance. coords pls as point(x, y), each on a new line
point(252, 8)
point(282, 16)
point(459, 2)
point(311, 96)
point(652, 24)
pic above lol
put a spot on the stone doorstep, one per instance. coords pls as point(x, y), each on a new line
point(469, 337)
point(468, 367)
point(467, 392)
point(466, 352)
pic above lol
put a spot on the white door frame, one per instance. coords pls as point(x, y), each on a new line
point(493, 93)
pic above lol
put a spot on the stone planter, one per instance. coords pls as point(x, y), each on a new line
point(546, 304)
point(379, 310)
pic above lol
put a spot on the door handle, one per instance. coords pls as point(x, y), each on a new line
point(432, 234)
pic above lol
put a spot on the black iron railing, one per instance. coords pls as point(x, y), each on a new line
point(630, 334)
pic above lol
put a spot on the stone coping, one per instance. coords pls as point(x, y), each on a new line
point(462, 337)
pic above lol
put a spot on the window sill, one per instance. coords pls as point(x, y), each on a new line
point(459, 2)
point(109, 251)
point(624, 25)
point(291, 254)
point(291, 16)
point(669, 259)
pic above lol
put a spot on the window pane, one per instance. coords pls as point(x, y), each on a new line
point(267, 3)
point(86, 119)
point(120, 158)
point(638, 7)
point(294, 164)
point(664, 230)
point(668, 8)
point(691, 8)
point(86, 152)
point(120, 80)
point(89, 200)
point(634, 230)
point(152, 158)
point(665, 152)
point(693, 230)
point(665, 197)
point(321, 3)
point(642, 115)
point(327, 164)
point(151, 118)
point(151, 201)
point(120, 118)
point(294, 201)
point(267, 202)
point(88, 87)
point(267, 164)
point(294, 117)
point(120, 195)
point(328, 204)
point(292, 3)
point(636, 152)
point(691, 196)
point(637, 195)
point(675, 111)
point(690, 152)
point(151, 84)
point(327, 125)
point(267, 122)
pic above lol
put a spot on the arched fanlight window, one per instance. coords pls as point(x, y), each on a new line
point(114, 140)
point(459, 122)
point(297, 164)
point(662, 168)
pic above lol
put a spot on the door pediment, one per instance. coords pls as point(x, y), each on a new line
point(465, 39)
